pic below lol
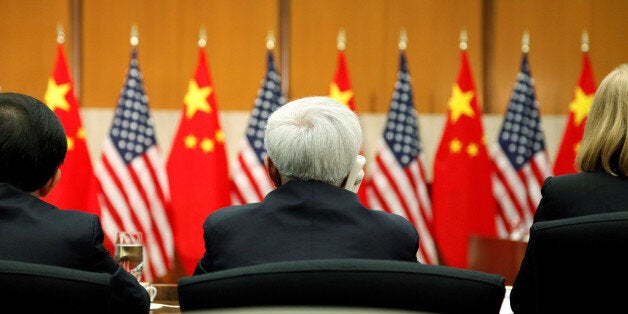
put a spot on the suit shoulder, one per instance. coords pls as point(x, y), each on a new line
point(229, 212)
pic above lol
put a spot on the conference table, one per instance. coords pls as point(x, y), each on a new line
point(166, 300)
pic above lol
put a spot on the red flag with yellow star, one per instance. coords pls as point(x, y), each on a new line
point(462, 199)
point(340, 90)
point(75, 189)
point(578, 112)
point(197, 167)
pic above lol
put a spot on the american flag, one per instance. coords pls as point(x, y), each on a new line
point(397, 175)
point(521, 161)
point(250, 182)
point(134, 192)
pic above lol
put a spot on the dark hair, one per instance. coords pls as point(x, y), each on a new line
point(32, 142)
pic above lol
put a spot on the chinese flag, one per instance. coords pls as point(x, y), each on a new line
point(197, 167)
point(75, 189)
point(578, 112)
point(340, 90)
point(462, 198)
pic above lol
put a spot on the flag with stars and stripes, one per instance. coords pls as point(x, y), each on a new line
point(197, 166)
point(565, 161)
point(521, 161)
point(462, 198)
point(250, 181)
point(397, 175)
point(75, 189)
point(133, 186)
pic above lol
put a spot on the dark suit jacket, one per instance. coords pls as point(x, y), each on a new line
point(564, 197)
point(304, 220)
point(32, 230)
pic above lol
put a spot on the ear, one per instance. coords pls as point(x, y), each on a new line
point(273, 173)
point(44, 190)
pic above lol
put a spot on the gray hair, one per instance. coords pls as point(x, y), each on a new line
point(313, 138)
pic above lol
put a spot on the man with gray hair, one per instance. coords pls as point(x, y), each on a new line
point(314, 212)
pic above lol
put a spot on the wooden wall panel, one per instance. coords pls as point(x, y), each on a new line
point(372, 29)
point(433, 28)
point(168, 49)
point(555, 29)
point(236, 47)
point(28, 30)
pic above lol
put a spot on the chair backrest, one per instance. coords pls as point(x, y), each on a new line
point(346, 283)
point(31, 288)
point(580, 263)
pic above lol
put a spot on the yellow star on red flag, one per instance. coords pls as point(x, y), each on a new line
point(196, 99)
point(580, 106)
point(460, 103)
point(207, 145)
point(342, 97)
point(455, 146)
point(70, 143)
point(55, 95)
point(473, 150)
point(190, 141)
point(220, 136)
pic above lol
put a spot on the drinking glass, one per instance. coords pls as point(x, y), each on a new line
point(129, 252)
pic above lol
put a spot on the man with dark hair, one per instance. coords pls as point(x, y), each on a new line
point(33, 146)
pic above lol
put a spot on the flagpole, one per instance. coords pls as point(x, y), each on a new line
point(584, 47)
point(341, 40)
point(403, 39)
point(60, 34)
point(525, 42)
point(270, 40)
point(135, 38)
point(463, 39)
point(202, 37)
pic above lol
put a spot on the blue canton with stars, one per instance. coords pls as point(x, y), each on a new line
point(521, 136)
point(132, 131)
point(401, 133)
point(268, 100)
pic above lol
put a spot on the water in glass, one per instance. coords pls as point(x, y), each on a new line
point(129, 252)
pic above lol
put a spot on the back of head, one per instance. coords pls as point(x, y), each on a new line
point(313, 138)
point(604, 141)
point(32, 142)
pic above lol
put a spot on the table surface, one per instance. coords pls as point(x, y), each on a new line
point(166, 300)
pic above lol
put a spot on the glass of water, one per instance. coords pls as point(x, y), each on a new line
point(129, 252)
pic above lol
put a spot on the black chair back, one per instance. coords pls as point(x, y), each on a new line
point(581, 263)
point(346, 283)
point(37, 288)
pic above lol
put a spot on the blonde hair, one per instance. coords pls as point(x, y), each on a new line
point(604, 141)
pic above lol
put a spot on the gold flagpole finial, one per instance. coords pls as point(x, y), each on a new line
point(525, 42)
point(135, 37)
point(463, 39)
point(341, 40)
point(60, 34)
point(585, 42)
point(202, 37)
point(403, 39)
point(270, 40)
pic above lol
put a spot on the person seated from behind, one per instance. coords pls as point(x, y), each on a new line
point(314, 211)
point(599, 186)
point(33, 146)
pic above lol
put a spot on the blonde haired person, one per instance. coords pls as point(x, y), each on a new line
point(602, 181)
